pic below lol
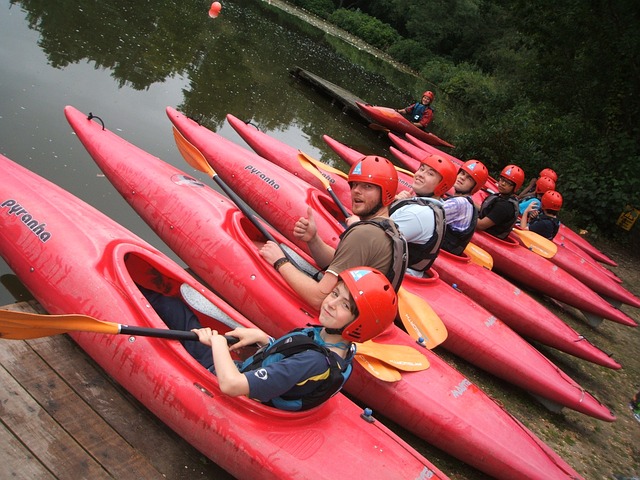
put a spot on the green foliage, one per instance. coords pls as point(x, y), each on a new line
point(322, 8)
point(368, 28)
point(410, 52)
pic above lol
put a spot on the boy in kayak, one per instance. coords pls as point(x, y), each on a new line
point(303, 368)
point(373, 241)
point(545, 221)
point(545, 172)
point(421, 113)
point(499, 211)
point(420, 214)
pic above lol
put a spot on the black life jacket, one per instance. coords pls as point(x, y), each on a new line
point(554, 221)
point(500, 231)
point(455, 241)
point(296, 341)
point(400, 255)
point(422, 255)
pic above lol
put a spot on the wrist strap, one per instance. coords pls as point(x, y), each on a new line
point(278, 263)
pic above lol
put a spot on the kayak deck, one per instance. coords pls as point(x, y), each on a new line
point(53, 382)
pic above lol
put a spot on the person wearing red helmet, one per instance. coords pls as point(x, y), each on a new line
point(421, 113)
point(373, 241)
point(460, 211)
point(303, 368)
point(545, 172)
point(544, 221)
point(543, 184)
point(420, 215)
point(499, 211)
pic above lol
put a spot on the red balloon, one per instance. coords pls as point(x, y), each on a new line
point(215, 9)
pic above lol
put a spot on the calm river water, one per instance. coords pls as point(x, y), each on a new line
point(126, 61)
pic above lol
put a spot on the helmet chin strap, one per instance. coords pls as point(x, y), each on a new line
point(330, 331)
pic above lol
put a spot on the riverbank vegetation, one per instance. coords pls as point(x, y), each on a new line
point(539, 84)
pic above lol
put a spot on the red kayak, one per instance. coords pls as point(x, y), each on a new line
point(582, 242)
point(394, 121)
point(74, 259)
point(509, 303)
point(491, 345)
point(513, 260)
point(206, 231)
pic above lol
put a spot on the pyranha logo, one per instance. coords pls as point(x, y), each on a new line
point(38, 229)
point(263, 177)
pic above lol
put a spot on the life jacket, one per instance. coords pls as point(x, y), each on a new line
point(400, 255)
point(542, 217)
point(500, 231)
point(418, 110)
point(422, 255)
point(296, 341)
point(455, 241)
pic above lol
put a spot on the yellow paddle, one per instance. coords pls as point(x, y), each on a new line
point(479, 256)
point(418, 318)
point(537, 243)
point(401, 357)
point(378, 369)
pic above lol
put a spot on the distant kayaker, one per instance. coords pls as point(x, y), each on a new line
point(545, 172)
point(544, 222)
point(373, 241)
point(303, 368)
point(542, 185)
point(420, 214)
point(420, 113)
point(499, 211)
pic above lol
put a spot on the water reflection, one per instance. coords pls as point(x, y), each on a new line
point(125, 61)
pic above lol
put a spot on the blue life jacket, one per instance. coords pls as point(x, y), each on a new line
point(296, 341)
point(417, 111)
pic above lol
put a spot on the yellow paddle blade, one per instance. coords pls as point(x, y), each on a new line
point(378, 369)
point(419, 319)
point(324, 167)
point(191, 154)
point(537, 243)
point(309, 166)
point(479, 256)
point(402, 357)
point(404, 170)
point(24, 325)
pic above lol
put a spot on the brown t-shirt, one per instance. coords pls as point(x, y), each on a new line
point(363, 245)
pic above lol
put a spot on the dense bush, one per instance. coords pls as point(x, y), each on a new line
point(322, 8)
point(368, 28)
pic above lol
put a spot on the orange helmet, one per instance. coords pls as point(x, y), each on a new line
point(545, 183)
point(429, 94)
point(547, 172)
point(380, 172)
point(445, 168)
point(375, 300)
point(551, 200)
point(514, 174)
point(477, 170)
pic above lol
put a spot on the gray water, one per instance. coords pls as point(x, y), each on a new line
point(126, 61)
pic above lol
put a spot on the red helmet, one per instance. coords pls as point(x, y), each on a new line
point(551, 200)
point(380, 172)
point(545, 183)
point(514, 174)
point(547, 172)
point(478, 172)
point(445, 168)
point(429, 94)
point(375, 299)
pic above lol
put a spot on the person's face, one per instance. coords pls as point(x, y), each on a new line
point(425, 180)
point(464, 182)
point(336, 310)
point(365, 199)
point(505, 186)
point(425, 100)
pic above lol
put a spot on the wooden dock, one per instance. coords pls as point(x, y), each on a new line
point(344, 98)
point(62, 416)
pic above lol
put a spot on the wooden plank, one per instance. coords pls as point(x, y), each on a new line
point(17, 460)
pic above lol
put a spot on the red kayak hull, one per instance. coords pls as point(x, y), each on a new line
point(452, 413)
point(85, 267)
point(391, 119)
point(513, 260)
point(469, 335)
point(584, 244)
